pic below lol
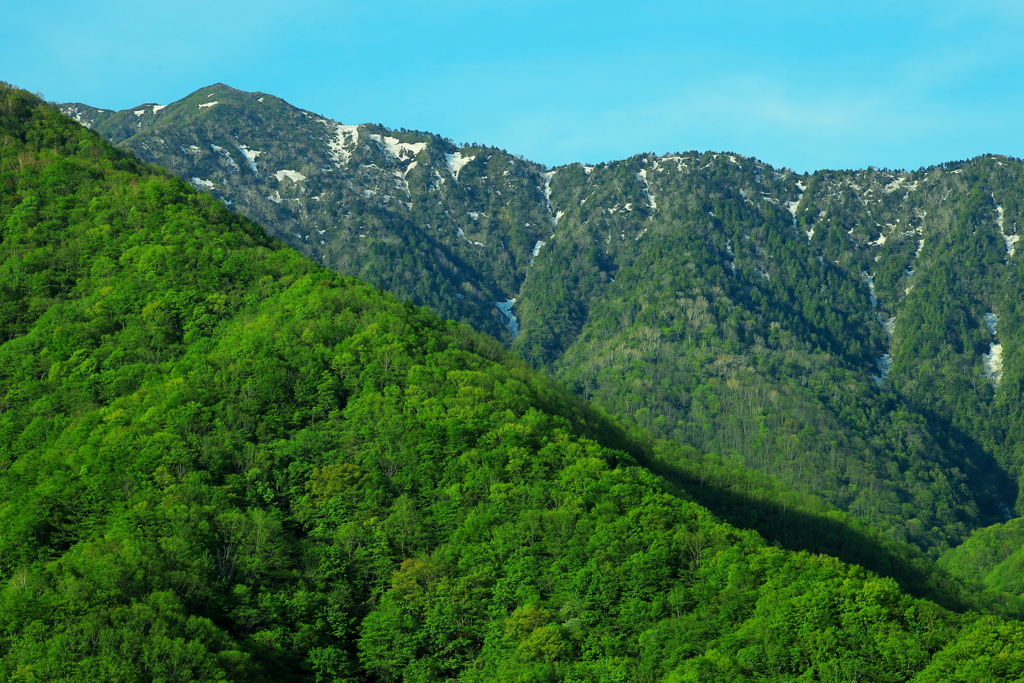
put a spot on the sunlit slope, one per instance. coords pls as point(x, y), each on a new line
point(850, 333)
point(403, 210)
point(225, 462)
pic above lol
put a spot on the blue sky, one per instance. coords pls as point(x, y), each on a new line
point(798, 84)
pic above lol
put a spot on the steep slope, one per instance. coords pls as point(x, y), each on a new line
point(817, 341)
point(400, 209)
point(994, 556)
point(711, 298)
point(223, 462)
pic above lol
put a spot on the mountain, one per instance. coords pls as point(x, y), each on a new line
point(222, 461)
point(403, 210)
point(851, 333)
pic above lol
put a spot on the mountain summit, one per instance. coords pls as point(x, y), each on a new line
point(854, 334)
point(223, 462)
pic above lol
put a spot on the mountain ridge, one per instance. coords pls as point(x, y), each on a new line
point(809, 326)
point(224, 462)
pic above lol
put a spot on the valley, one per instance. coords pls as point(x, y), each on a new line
point(835, 330)
point(223, 460)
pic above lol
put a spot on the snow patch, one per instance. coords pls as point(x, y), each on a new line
point(792, 206)
point(894, 185)
point(1011, 244)
point(870, 279)
point(294, 176)
point(991, 319)
point(221, 151)
point(461, 234)
point(993, 362)
point(1009, 240)
point(510, 319)
point(139, 112)
point(440, 180)
point(547, 176)
point(456, 162)
point(202, 183)
point(680, 162)
point(884, 364)
point(537, 247)
point(158, 107)
point(878, 242)
point(208, 104)
point(405, 174)
point(399, 151)
point(344, 136)
point(77, 115)
point(250, 156)
point(642, 177)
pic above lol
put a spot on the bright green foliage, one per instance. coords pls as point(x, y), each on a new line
point(987, 651)
point(223, 462)
point(709, 298)
point(993, 555)
point(799, 521)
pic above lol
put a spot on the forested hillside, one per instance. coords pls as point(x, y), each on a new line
point(221, 461)
point(850, 333)
point(403, 210)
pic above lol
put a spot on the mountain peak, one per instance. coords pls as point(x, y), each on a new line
point(724, 277)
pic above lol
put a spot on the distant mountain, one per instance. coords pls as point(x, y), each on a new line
point(404, 210)
point(220, 461)
point(856, 334)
